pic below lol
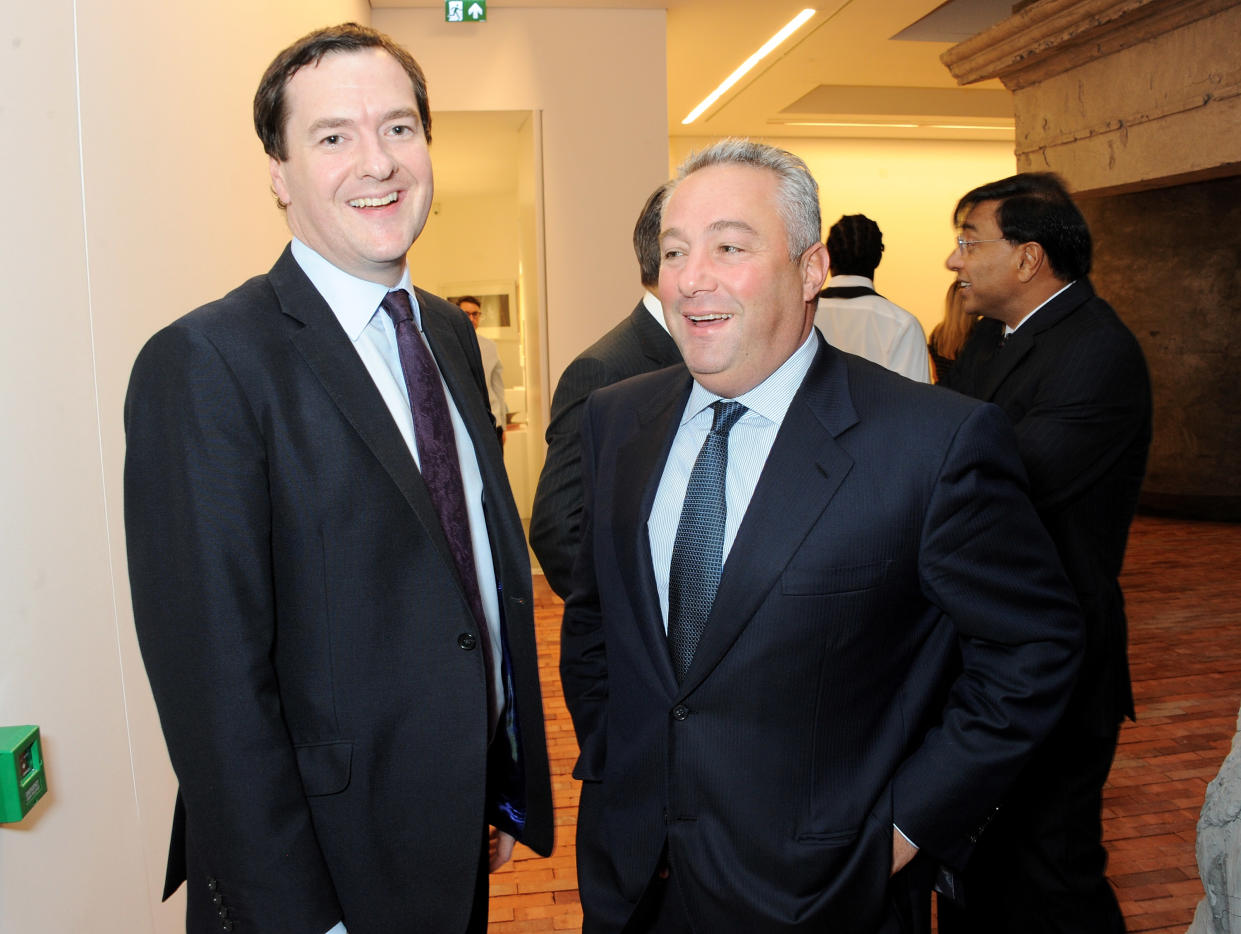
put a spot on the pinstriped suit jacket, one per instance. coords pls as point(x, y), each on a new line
point(1074, 383)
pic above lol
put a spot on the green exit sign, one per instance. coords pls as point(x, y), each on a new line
point(465, 11)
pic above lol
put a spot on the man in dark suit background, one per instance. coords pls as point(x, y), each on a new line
point(1072, 380)
point(330, 583)
point(638, 344)
point(892, 633)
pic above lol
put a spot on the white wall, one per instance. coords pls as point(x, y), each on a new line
point(908, 188)
point(605, 143)
point(137, 189)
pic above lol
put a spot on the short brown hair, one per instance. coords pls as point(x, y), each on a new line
point(270, 113)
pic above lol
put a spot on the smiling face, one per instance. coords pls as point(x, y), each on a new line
point(735, 304)
point(988, 273)
point(357, 180)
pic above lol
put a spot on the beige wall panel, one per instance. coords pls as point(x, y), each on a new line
point(141, 191)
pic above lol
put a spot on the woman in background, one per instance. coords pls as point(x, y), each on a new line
point(949, 335)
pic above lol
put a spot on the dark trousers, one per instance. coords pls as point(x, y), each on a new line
point(1040, 866)
point(664, 908)
point(482, 890)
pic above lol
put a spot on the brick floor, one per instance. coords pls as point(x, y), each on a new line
point(1185, 652)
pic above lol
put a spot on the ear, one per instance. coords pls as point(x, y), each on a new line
point(276, 169)
point(814, 266)
point(1031, 258)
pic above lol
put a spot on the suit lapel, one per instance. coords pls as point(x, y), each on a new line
point(1022, 341)
point(642, 458)
point(657, 344)
point(806, 465)
point(331, 357)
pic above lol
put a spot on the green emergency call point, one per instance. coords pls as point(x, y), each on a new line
point(22, 779)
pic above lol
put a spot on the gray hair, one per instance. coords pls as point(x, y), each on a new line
point(797, 192)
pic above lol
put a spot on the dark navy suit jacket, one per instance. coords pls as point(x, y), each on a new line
point(308, 642)
point(1073, 381)
point(636, 345)
point(871, 658)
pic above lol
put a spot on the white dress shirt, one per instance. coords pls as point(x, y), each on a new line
point(875, 328)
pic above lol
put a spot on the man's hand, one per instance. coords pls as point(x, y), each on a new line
point(500, 847)
point(902, 852)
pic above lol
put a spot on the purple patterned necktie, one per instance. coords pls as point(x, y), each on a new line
point(698, 549)
point(437, 451)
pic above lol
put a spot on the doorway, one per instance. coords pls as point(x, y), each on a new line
point(485, 238)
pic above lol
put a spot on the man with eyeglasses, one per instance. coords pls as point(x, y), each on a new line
point(1071, 377)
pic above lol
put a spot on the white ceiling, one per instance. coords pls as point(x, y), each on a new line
point(864, 62)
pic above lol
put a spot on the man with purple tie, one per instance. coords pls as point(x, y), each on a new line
point(330, 583)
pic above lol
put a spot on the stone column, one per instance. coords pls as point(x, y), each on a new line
point(1219, 849)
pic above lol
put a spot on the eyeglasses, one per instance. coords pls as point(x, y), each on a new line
point(964, 245)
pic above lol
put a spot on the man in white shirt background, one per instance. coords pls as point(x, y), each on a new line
point(857, 319)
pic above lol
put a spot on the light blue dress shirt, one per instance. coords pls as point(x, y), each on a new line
point(356, 304)
point(749, 443)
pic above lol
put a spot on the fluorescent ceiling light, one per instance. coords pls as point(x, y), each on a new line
point(898, 126)
point(969, 126)
point(794, 24)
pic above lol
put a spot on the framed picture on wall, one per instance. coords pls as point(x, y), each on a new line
point(497, 300)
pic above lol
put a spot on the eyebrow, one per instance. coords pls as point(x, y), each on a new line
point(714, 227)
point(335, 123)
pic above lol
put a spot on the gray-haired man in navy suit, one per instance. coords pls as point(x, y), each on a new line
point(816, 627)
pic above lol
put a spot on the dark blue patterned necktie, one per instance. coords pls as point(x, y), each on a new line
point(699, 547)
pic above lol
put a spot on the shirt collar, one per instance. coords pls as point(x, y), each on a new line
point(652, 304)
point(1008, 330)
point(770, 398)
point(354, 301)
point(841, 282)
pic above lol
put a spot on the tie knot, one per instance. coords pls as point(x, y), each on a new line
point(396, 304)
point(726, 415)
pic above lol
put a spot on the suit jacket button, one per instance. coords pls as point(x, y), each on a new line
point(226, 925)
point(467, 641)
point(212, 885)
point(680, 712)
